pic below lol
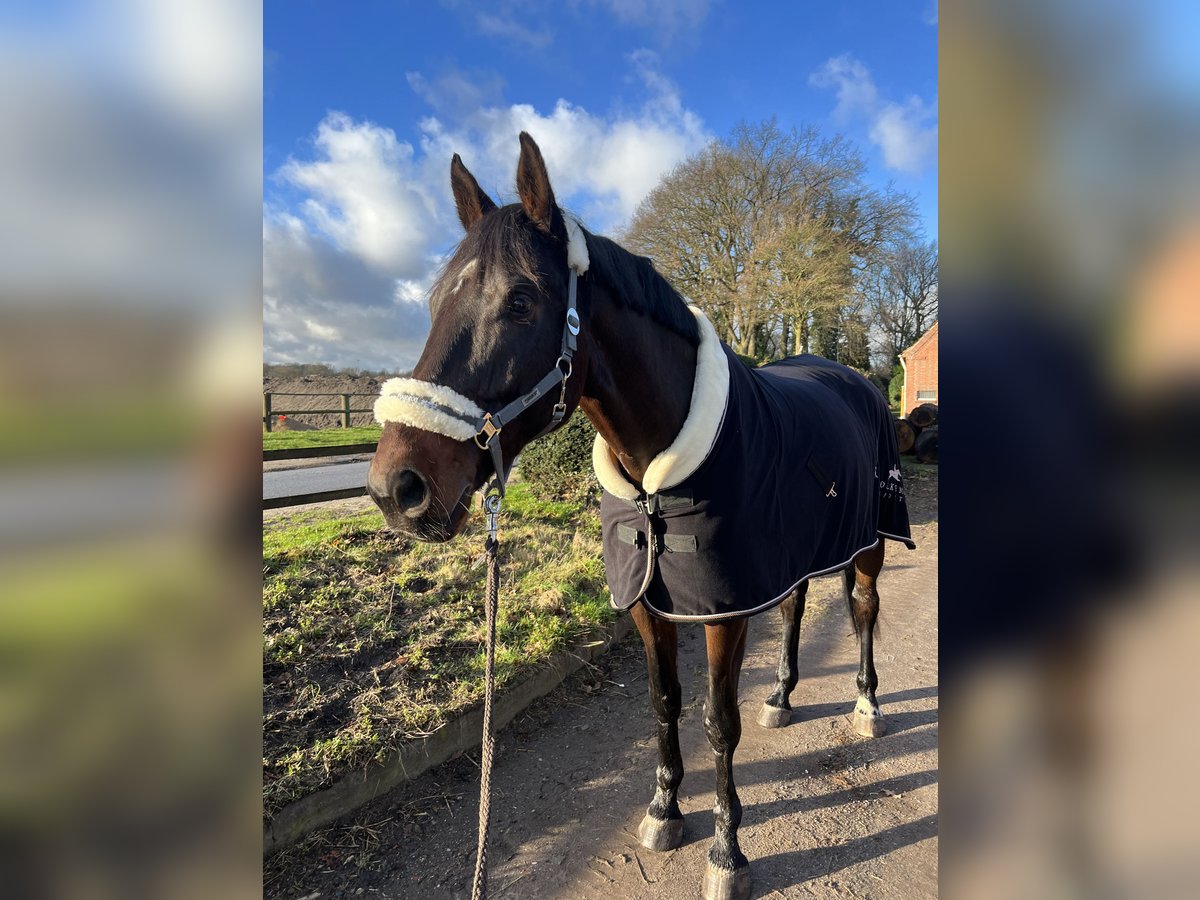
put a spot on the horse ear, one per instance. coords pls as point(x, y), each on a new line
point(533, 187)
point(473, 204)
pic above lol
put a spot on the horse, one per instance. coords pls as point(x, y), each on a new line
point(529, 291)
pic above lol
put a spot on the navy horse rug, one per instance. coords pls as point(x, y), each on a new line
point(779, 474)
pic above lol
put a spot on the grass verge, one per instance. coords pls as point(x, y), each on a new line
point(912, 467)
point(326, 437)
point(371, 640)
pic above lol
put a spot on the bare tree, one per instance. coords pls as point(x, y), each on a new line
point(902, 291)
point(770, 231)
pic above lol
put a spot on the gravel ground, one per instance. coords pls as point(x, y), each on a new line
point(826, 813)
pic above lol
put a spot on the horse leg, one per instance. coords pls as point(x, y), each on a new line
point(859, 581)
point(662, 827)
point(777, 710)
point(727, 876)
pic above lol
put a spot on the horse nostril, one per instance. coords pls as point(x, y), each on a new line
point(410, 491)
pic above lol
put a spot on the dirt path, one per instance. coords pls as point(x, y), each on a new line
point(826, 813)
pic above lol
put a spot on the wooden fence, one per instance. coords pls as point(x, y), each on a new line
point(316, 453)
point(270, 410)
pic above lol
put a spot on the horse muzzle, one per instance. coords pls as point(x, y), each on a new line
point(400, 492)
point(422, 489)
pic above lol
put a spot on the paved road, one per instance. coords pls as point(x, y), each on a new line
point(316, 478)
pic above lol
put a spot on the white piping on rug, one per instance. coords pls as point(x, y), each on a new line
point(716, 617)
point(400, 400)
point(710, 394)
point(897, 537)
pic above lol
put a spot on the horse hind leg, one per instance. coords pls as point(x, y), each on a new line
point(859, 582)
point(777, 709)
point(662, 826)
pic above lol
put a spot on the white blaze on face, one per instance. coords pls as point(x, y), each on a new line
point(462, 275)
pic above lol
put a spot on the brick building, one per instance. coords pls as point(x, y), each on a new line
point(920, 364)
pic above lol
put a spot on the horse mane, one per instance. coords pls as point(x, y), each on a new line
point(639, 287)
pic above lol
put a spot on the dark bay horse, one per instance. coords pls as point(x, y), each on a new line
point(498, 311)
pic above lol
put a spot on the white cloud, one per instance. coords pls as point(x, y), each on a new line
point(668, 18)
point(323, 304)
point(906, 133)
point(900, 132)
point(856, 91)
point(347, 269)
point(931, 13)
point(505, 26)
point(603, 165)
point(367, 194)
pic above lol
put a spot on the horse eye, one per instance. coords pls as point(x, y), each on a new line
point(520, 305)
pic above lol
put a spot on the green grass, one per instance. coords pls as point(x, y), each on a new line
point(371, 640)
point(911, 467)
point(326, 437)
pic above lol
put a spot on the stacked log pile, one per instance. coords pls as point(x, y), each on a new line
point(918, 433)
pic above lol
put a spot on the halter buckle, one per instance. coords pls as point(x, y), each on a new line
point(566, 373)
point(488, 430)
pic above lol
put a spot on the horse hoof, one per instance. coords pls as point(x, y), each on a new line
point(869, 724)
point(660, 834)
point(773, 717)
point(726, 884)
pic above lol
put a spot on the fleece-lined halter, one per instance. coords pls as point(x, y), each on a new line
point(442, 410)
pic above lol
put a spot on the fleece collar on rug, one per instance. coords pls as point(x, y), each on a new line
point(710, 393)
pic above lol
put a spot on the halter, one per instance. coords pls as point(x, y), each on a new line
point(491, 424)
point(436, 408)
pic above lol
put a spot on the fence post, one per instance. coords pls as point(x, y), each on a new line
point(267, 410)
point(345, 410)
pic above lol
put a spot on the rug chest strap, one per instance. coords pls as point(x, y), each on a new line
point(672, 543)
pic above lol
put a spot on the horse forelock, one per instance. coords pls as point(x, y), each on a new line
point(500, 248)
point(505, 247)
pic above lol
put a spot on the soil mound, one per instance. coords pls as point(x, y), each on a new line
point(287, 399)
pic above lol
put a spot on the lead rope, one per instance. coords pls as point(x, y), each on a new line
point(491, 508)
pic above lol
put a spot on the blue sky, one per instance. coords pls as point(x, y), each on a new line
point(365, 102)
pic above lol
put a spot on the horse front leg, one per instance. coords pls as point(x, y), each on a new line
point(727, 876)
point(860, 581)
point(662, 827)
point(777, 709)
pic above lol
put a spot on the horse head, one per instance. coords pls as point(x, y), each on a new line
point(499, 332)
